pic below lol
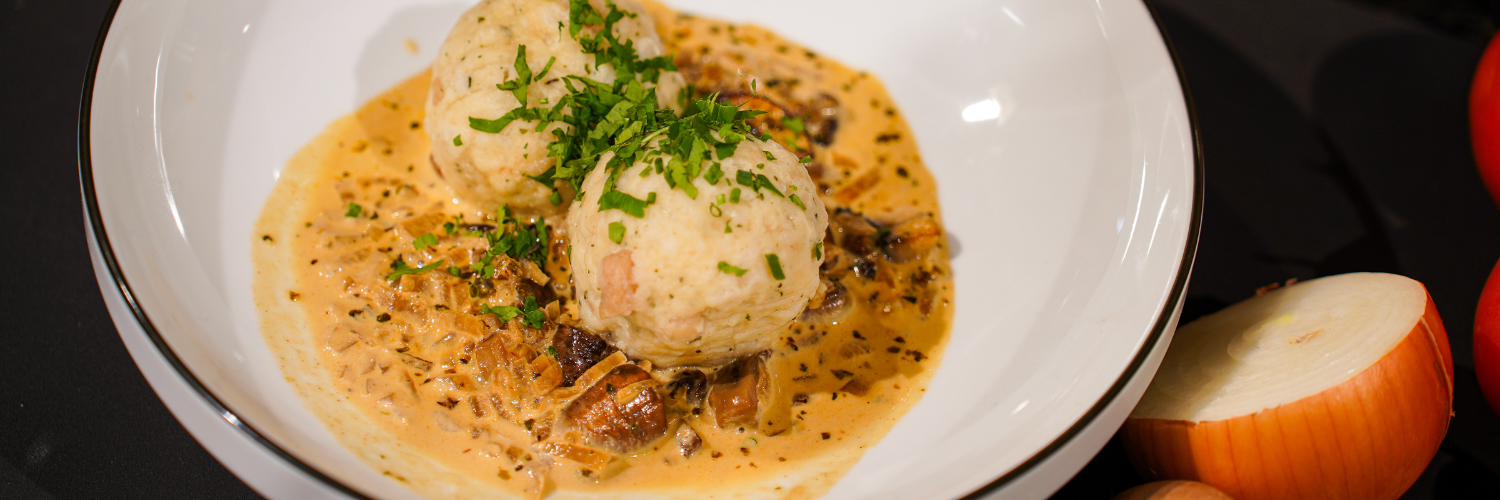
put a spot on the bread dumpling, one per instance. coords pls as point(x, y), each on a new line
point(479, 54)
point(692, 282)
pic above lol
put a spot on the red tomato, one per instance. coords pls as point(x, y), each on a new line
point(1484, 117)
point(1487, 340)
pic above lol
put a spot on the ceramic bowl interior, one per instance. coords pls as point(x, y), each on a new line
point(1056, 128)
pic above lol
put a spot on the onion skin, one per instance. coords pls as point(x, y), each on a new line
point(1487, 340)
point(1367, 438)
point(1173, 490)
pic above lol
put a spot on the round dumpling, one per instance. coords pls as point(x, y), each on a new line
point(479, 54)
point(699, 281)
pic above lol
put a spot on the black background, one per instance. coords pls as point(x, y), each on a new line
point(1334, 134)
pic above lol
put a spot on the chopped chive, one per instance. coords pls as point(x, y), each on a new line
point(715, 210)
point(458, 140)
point(769, 156)
point(354, 210)
point(818, 251)
point(775, 263)
point(728, 269)
point(797, 201)
point(805, 160)
point(713, 174)
point(761, 181)
point(734, 195)
point(616, 232)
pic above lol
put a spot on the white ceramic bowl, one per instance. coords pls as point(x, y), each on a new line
point(1057, 129)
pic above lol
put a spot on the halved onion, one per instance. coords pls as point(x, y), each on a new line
point(1339, 387)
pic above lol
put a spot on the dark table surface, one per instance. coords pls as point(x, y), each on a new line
point(1335, 139)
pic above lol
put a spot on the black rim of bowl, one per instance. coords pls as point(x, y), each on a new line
point(101, 240)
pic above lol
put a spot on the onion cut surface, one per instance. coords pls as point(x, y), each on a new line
point(1339, 387)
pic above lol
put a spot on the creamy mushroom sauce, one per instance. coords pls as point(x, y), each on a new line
point(492, 402)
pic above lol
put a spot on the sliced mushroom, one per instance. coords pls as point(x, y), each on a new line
point(853, 232)
point(736, 392)
point(619, 424)
point(912, 238)
point(577, 350)
point(830, 304)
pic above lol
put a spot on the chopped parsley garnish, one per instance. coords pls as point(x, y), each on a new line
point(624, 203)
point(402, 269)
point(805, 160)
point(797, 201)
point(769, 156)
point(491, 126)
point(458, 140)
point(354, 210)
point(818, 251)
point(623, 118)
point(728, 269)
point(516, 240)
point(793, 123)
point(616, 232)
point(534, 315)
point(521, 84)
point(530, 314)
point(505, 313)
point(424, 241)
point(775, 263)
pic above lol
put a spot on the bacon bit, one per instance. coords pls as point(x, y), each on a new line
point(618, 280)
